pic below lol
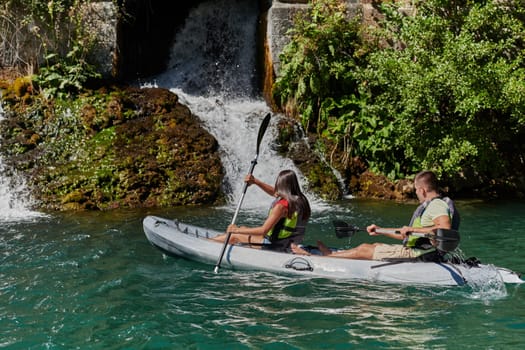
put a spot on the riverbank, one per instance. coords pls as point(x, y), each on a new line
point(34, 144)
point(129, 147)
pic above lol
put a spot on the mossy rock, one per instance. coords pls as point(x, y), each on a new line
point(302, 151)
point(110, 148)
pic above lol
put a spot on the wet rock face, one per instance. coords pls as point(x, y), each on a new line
point(371, 185)
point(166, 157)
point(118, 148)
point(292, 144)
point(356, 179)
point(146, 32)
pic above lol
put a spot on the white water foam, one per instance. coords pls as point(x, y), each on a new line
point(486, 283)
point(483, 282)
point(15, 201)
point(212, 71)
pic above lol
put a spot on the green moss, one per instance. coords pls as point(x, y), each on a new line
point(117, 149)
point(22, 86)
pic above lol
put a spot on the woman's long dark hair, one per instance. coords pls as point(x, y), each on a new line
point(287, 187)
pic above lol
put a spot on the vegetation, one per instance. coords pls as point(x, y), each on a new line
point(441, 88)
point(86, 148)
point(111, 148)
point(423, 90)
point(319, 64)
point(47, 38)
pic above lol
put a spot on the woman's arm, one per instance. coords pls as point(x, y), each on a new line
point(278, 211)
point(250, 179)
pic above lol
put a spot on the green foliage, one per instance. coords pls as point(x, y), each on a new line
point(458, 77)
point(54, 29)
point(318, 65)
point(425, 90)
point(63, 76)
point(43, 11)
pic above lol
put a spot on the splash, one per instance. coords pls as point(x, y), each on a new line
point(15, 200)
point(485, 283)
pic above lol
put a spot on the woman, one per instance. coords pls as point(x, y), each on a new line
point(286, 221)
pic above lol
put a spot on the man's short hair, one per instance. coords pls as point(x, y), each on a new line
point(428, 179)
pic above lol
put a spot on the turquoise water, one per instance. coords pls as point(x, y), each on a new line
point(91, 280)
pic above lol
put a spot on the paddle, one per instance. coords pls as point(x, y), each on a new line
point(447, 240)
point(262, 130)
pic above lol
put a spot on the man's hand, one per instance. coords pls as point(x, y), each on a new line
point(405, 231)
point(372, 229)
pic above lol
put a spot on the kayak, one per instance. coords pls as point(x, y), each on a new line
point(193, 243)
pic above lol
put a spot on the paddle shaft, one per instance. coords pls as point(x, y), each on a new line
point(445, 240)
point(383, 231)
point(420, 234)
point(262, 130)
point(234, 219)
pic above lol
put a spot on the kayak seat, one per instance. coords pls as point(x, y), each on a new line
point(283, 245)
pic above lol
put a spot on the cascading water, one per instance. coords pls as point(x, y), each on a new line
point(14, 199)
point(212, 70)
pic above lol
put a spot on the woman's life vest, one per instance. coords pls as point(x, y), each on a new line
point(287, 229)
point(422, 242)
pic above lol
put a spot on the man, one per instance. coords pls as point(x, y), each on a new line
point(433, 213)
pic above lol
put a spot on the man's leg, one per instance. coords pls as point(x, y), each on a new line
point(364, 251)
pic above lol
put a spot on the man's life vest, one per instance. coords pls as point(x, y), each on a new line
point(415, 221)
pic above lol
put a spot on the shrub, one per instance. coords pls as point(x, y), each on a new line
point(424, 90)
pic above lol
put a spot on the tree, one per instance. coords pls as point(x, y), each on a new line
point(459, 76)
point(424, 90)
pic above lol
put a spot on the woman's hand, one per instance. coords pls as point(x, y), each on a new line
point(232, 228)
point(249, 179)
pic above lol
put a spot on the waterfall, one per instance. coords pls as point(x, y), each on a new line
point(212, 70)
point(14, 197)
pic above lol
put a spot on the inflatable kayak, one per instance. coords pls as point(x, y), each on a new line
point(192, 242)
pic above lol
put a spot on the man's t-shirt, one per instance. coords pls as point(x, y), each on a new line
point(434, 209)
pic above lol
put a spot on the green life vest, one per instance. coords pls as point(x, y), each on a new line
point(284, 228)
point(415, 241)
point(422, 242)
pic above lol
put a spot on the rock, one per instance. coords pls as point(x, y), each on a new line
point(124, 147)
point(292, 144)
point(100, 24)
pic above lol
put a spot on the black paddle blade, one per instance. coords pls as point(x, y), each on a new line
point(447, 240)
point(262, 130)
point(343, 229)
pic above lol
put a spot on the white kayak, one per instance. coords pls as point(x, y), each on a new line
point(192, 242)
